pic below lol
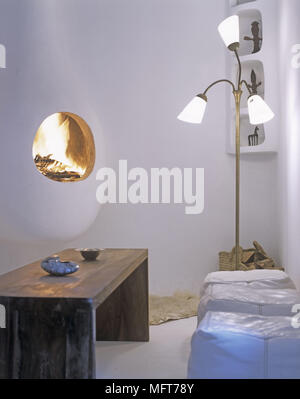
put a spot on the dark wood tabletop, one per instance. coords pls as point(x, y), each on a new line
point(52, 323)
point(95, 280)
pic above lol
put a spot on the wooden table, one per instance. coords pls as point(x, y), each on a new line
point(52, 323)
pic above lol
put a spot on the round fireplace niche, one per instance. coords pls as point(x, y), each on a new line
point(63, 148)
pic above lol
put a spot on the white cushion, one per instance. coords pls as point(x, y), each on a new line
point(244, 299)
point(235, 346)
point(252, 278)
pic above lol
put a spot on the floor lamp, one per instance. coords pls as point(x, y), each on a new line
point(259, 111)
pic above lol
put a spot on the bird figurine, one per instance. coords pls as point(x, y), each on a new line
point(256, 39)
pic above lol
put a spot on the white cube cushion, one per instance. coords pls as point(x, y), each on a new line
point(252, 278)
point(244, 299)
point(236, 346)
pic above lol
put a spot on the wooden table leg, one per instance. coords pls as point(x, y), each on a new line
point(124, 315)
point(47, 338)
point(4, 372)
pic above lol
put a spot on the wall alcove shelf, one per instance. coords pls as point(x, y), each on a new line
point(238, 2)
point(258, 48)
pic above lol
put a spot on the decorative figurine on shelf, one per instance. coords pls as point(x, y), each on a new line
point(253, 138)
point(256, 39)
point(254, 85)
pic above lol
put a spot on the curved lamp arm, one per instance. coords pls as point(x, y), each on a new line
point(240, 81)
point(194, 111)
point(219, 81)
point(240, 67)
point(248, 87)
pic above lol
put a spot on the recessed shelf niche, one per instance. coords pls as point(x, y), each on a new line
point(251, 32)
point(234, 3)
point(251, 135)
point(265, 65)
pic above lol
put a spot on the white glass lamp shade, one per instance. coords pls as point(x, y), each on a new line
point(229, 31)
point(259, 111)
point(194, 111)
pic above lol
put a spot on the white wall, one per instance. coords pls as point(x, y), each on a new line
point(289, 160)
point(131, 67)
point(170, 51)
point(44, 75)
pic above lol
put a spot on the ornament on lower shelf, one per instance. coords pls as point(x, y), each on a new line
point(253, 138)
point(250, 259)
point(54, 266)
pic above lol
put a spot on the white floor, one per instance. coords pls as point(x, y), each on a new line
point(165, 356)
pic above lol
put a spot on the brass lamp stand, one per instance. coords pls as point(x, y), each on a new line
point(259, 113)
point(237, 92)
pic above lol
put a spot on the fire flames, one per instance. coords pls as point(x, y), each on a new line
point(63, 149)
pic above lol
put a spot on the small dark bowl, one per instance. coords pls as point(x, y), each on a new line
point(90, 254)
